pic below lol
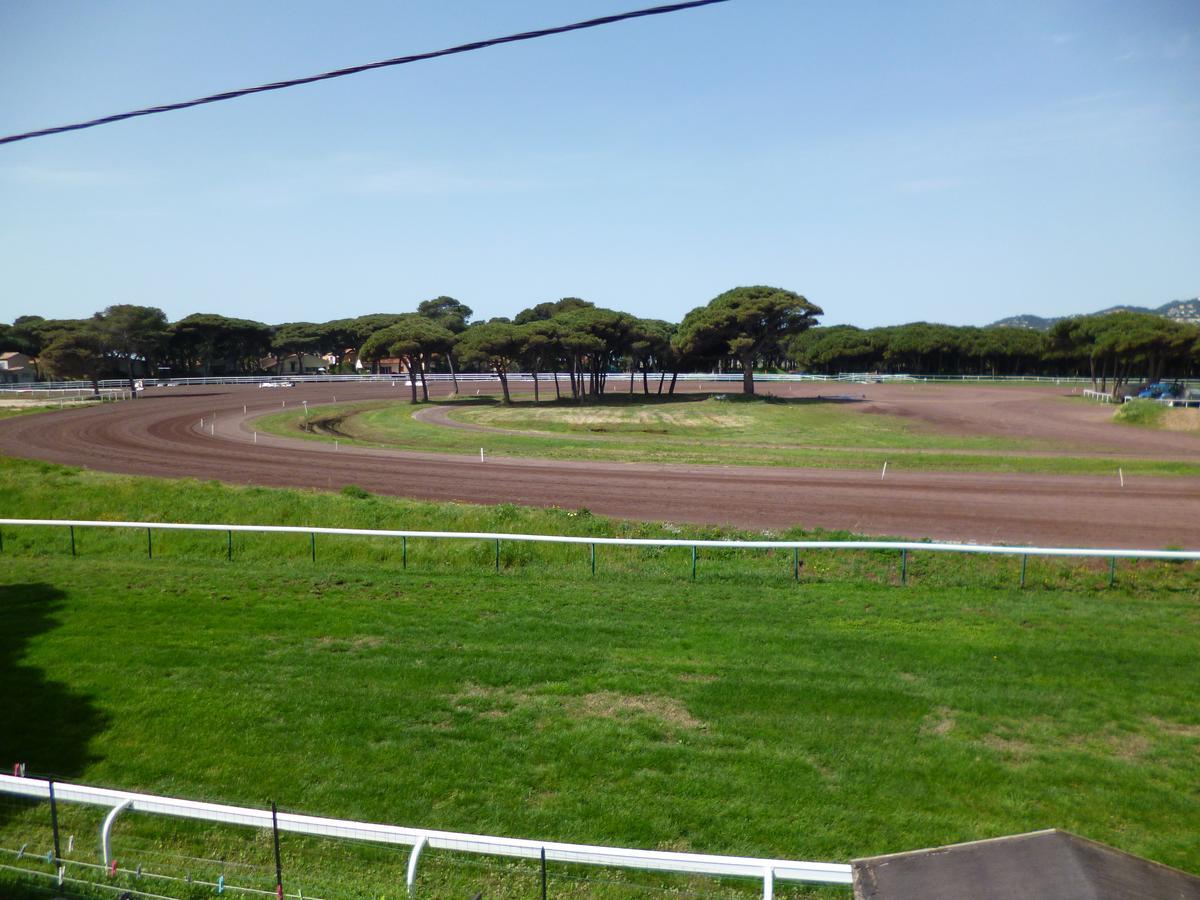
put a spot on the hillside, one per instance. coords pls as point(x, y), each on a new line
point(1178, 310)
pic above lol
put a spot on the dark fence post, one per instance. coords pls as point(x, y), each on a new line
point(1024, 559)
point(904, 566)
point(404, 551)
point(796, 563)
point(543, 873)
point(229, 546)
point(693, 562)
point(497, 554)
point(72, 527)
point(278, 864)
point(54, 825)
point(593, 559)
point(312, 545)
point(149, 545)
point(1112, 571)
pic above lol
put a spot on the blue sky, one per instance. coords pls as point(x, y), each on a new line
point(893, 162)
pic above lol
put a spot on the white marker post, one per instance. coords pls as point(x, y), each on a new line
point(481, 454)
point(256, 437)
point(883, 474)
point(1121, 473)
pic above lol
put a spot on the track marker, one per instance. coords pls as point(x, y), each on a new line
point(256, 437)
point(1121, 473)
point(243, 409)
point(883, 474)
point(481, 454)
point(335, 445)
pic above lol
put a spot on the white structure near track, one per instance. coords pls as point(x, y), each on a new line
point(125, 803)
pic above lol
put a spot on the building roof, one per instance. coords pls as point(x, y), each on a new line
point(1040, 865)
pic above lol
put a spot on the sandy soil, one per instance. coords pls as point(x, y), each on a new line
point(160, 435)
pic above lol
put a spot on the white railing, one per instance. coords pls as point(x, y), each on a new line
point(119, 802)
point(922, 546)
point(548, 377)
point(1102, 396)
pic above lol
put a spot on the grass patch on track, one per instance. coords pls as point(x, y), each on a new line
point(1152, 414)
point(696, 431)
point(740, 713)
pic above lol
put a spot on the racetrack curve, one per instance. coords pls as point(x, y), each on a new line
point(160, 435)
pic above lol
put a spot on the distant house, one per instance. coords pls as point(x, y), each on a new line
point(294, 364)
point(391, 365)
point(16, 368)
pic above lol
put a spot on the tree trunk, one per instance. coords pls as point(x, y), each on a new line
point(504, 386)
point(632, 375)
point(557, 395)
point(453, 374)
point(645, 382)
point(536, 394)
point(662, 375)
point(748, 376)
point(674, 376)
point(132, 392)
point(424, 386)
point(412, 378)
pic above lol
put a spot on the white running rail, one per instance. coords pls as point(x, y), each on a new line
point(922, 546)
point(766, 870)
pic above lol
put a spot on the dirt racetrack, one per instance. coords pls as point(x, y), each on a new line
point(160, 435)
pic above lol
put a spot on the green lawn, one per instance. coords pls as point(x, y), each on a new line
point(741, 713)
point(693, 430)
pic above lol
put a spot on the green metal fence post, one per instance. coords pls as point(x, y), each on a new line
point(796, 563)
point(1112, 571)
point(72, 527)
point(593, 559)
point(693, 562)
point(404, 552)
point(229, 546)
point(904, 566)
point(1024, 559)
point(497, 554)
point(312, 545)
point(1, 542)
point(149, 545)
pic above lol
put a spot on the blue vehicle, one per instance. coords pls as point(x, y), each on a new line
point(1164, 390)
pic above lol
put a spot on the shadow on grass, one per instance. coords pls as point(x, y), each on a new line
point(526, 401)
point(43, 723)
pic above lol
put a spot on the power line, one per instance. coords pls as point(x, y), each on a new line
point(353, 70)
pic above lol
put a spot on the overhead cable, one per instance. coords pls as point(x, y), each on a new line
point(353, 70)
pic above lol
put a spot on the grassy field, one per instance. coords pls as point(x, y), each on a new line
point(741, 713)
point(1151, 414)
point(692, 430)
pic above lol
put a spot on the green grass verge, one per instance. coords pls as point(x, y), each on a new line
point(740, 713)
point(1152, 414)
point(689, 431)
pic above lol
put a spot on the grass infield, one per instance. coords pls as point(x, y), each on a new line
point(694, 430)
point(740, 713)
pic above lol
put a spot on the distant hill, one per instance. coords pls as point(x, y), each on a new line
point(1178, 310)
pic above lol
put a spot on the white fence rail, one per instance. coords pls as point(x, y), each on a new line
point(546, 377)
point(1111, 553)
point(768, 871)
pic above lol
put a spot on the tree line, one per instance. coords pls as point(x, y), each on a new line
point(1112, 349)
point(744, 330)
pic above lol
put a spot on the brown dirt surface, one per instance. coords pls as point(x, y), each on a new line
point(159, 435)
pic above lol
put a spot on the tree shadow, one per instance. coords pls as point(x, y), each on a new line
point(43, 723)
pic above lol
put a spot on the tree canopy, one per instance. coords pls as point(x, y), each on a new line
point(745, 323)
